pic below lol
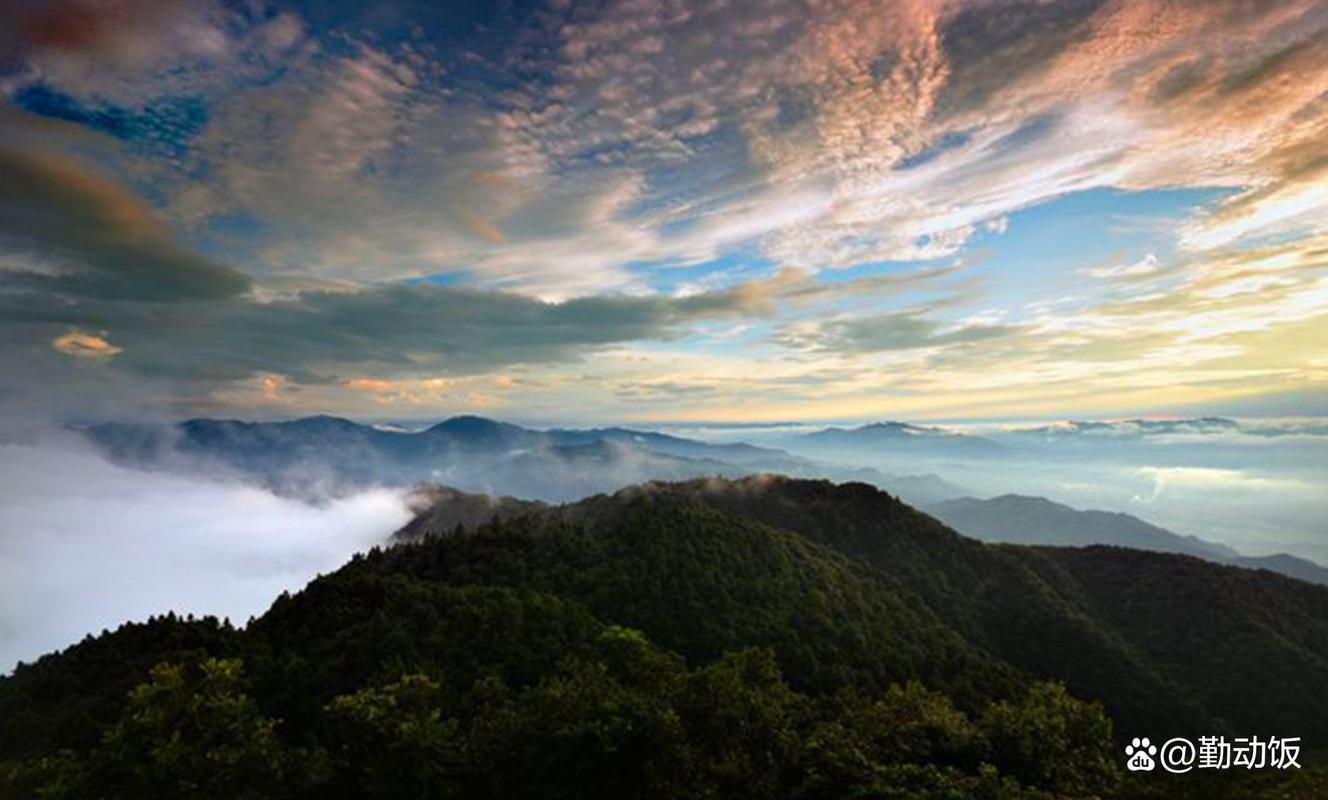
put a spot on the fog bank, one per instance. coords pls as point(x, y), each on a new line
point(87, 545)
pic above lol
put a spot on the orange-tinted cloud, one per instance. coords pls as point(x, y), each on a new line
point(81, 344)
point(108, 241)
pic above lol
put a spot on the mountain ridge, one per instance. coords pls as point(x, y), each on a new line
point(916, 548)
point(309, 456)
point(900, 437)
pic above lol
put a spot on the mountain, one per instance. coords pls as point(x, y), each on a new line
point(758, 638)
point(1020, 519)
point(484, 435)
point(1286, 564)
point(1053, 612)
point(1036, 520)
point(916, 490)
point(898, 438)
point(441, 510)
point(573, 471)
point(317, 456)
point(736, 453)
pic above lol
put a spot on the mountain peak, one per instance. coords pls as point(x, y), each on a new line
point(900, 435)
point(469, 425)
point(467, 422)
point(322, 421)
point(1012, 500)
point(896, 425)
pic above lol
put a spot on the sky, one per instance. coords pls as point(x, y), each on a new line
point(687, 210)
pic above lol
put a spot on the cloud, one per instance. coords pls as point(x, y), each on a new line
point(1211, 479)
point(1144, 266)
point(85, 345)
point(470, 392)
point(85, 545)
point(900, 330)
point(132, 51)
point(993, 106)
point(101, 240)
point(282, 346)
point(639, 131)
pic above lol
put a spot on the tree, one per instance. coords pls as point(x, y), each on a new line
point(740, 719)
point(194, 733)
point(1054, 742)
point(393, 742)
point(601, 726)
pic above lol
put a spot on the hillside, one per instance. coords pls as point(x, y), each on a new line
point(1030, 606)
point(761, 638)
point(441, 510)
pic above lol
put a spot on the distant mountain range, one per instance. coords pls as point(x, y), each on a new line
point(899, 438)
point(323, 453)
point(936, 439)
point(1019, 519)
point(883, 441)
point(317, 456)
point(321, 456)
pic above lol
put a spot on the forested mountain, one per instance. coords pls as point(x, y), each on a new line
point(441, 510)
point(319, 456)
point(1018, 519)
point(761, 638)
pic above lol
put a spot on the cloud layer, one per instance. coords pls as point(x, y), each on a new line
point(310, 198)
point(88, 545)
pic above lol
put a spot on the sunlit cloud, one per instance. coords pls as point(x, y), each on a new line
point(85, 345)
point(1144, 266)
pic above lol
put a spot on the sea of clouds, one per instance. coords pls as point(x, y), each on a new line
point(87, 545)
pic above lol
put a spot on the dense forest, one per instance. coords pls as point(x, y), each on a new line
point(762, 638)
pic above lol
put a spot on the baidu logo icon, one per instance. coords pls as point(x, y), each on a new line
point(1139, 755)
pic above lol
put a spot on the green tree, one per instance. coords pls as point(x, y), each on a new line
point(54, 777)
point(598, 727)
point(1054, 742)
point(194, 733)
point(741, 723)
point(393, 742)
point(870, 742)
